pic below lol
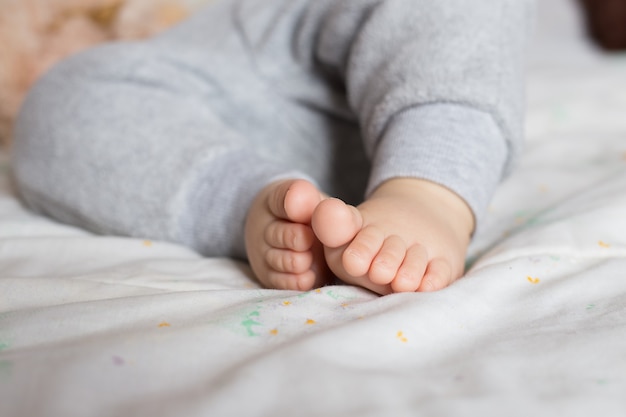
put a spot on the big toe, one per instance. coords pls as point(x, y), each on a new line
point(294, 200)
point(335, 223)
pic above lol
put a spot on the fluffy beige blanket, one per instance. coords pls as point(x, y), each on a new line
point(34, 34)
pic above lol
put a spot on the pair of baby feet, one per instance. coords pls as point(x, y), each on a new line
point(409, 235)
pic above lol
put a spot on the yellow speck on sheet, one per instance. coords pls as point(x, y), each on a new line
point(286, 303)
point(274, 332)
point(532, 280)
point(310, 321)
point(400, 337)
point(147, 243)
point(164, 324)
point(603, 244)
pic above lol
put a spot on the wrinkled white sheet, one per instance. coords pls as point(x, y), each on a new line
point(106, 326)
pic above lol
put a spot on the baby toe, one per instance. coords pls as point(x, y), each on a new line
point(358, 256)
point(287, 235)
point(411, 272)
point(438, 276)
point(386, 263)
point(335, 223)
point(282, 260)
point(300, 200)
point(293, 200)
point(294, 282)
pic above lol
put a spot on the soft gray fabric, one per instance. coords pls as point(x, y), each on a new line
point(171, 138)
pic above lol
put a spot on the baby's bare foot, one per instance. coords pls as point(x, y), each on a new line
point(281, 246)
point(410, 235)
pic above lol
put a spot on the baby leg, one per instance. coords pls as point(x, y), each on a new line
point(142, 141)
point(119, 140)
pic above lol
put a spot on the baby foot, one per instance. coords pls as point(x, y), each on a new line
point(281, 246)
point(410, 235)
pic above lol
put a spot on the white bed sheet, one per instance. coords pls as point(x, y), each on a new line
point(106, 326)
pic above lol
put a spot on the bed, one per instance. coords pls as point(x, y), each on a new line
point(111, 326)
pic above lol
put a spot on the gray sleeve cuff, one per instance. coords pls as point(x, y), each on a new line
point(453, 145)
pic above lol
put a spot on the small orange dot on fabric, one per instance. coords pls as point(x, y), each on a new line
point(532, 280)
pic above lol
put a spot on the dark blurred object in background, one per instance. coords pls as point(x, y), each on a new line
point(606, 22)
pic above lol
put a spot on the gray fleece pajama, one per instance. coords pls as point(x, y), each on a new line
point(171, 138)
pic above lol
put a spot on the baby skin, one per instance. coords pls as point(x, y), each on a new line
point(409, 235)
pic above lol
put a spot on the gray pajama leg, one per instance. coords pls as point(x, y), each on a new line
point(143, 141)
